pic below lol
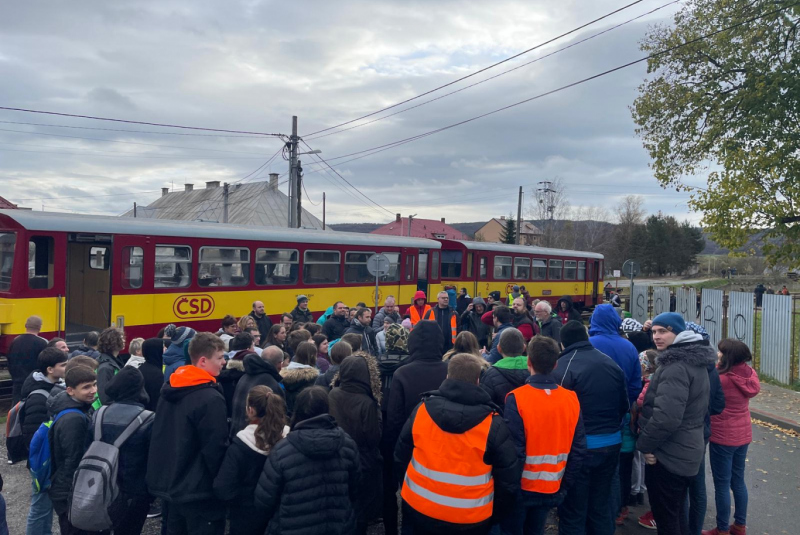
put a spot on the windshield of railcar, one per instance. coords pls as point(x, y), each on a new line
point(7, 242)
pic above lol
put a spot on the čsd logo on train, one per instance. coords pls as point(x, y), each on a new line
point(193, 306)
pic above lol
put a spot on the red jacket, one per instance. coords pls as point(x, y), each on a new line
point(733, 426)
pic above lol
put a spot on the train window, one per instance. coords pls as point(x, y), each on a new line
point(570, 269)
point(435, 265)
point(522, 268)
point(469, 265)
point(409, 267)
point(173, 266)
point(132, 267)
point(451, 264)
point(40, 262)
point(502, 268)
point(224, 266)
point(321, 267)
point(394, 268)
point(276, 266)
point(555, 270)
point(483, 269)
point(581, 271)
point(539, 269)
point(98, 258)
point(422, 267)
point(7, 243)
point(355, 267)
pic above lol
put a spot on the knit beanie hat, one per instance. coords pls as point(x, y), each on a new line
point(126, 385)
point(301, 298)
point(692, 326)
point(178, 335)
point(672, 321)
point(406, 323)
point(396, 338)
point(573, 332)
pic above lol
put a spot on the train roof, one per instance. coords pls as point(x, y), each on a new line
point(522, 249)
point(63, 222)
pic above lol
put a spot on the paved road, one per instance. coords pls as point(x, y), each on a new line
point(773, 480)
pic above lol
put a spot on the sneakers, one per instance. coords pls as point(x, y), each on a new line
point(715, 531)
point(736, 529)
point(155, 510)
point(647, 521)
point(622, 516)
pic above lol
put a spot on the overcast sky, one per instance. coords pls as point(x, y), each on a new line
point(252, 65)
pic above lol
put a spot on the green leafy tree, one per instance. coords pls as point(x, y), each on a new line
point(509, 234)
point(663, 246)
point(729, 104)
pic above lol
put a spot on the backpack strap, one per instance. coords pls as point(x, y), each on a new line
point(40, 391)
point(134, 426)
point(67, 411)
point(98, 425)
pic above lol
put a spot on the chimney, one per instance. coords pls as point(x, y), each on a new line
point(502, 218)
point(398, 218)
point(442, 220)
point(188, 187)
point(212, 184)
point(164, 191)
point(273, 181)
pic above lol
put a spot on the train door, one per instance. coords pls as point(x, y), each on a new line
point(422, 271)
point(88, 284)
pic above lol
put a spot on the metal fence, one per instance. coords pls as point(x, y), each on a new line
point(770, 329)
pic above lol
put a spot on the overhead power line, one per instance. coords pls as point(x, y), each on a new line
point(513, 69)
point(582, 26)
point(387, 146)
point(24, 110)
point(49, 125)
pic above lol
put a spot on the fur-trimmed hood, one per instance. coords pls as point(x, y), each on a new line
point(294, 376)
point(374, 374)
point(690, 349)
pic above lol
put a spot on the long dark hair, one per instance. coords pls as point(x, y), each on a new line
point(270, 410)
point(310, 402)
point(272, 336)
point(306, 353)
point(466, 342)
point(733, 352)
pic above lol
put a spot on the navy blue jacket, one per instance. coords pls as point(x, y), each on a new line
point(604, 335)
point(600, 386)
point(716, 400)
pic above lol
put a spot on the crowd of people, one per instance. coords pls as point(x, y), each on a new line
point(485, 417)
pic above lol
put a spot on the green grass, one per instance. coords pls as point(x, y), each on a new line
point(769, 380)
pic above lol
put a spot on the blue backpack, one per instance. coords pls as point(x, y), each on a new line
point(39, 458)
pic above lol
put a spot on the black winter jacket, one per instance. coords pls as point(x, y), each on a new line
point(68, 443)
point(133, 453)
point(442, 319)
point(571, 313)
point(23, 354)
point(506, 375)
point(257, 371)
point(326, 378)
point(34, 412)
point(335, 326)
point(423, 371)
point(294, 381)
point(357, 413)
point(471, 321)
point(675, 405)
point(108, 367)
point(551, 328)
point(238, 476)
point(310, 480)
point(190, 434)
point(153, 371)
point(228, 379)
point(301, 316)
point(368, 342)
point(85, 350)
point(600, 386)
point(457, 407)
point(263, 323)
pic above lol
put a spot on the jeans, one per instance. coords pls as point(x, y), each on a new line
point(696, 500)
point(637, 475)
point(40, 515)
point(667, 492)
point(587, 507)
point(727, 467)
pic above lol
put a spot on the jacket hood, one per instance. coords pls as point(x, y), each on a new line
point(248, 438)
point(512, 363)
point(605, 320)
point(255, 365)
point(357, 326)
point(419, 295)
point(353, 376)
point(693, 352)
point(235, 364)
point(63, 401)
point(318, 437)
point(567, 299)
point(36, 381)
point(153, 351)
point(173, 354)
point(190, 376)
point(458, 406)
point(374, 377)
point(744, 378)
point(298, 377)
point(425, 342)
point(479, 301)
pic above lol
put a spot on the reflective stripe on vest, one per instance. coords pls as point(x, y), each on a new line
point(447, 478)
point(453, 330)
point(414, 315)
point(546, 454)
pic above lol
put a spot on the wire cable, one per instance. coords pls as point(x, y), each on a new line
point(582, 26)
point(126, 131)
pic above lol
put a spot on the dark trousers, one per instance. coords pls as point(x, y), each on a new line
point(16, 390)
point(697, 501)
point(129, 514)
point(625, 471)
point(389, 491)
point(246, 519)
point(587, 507)
point(196, 518)
point(667, 493)
point(529, 514)
point(68, 529)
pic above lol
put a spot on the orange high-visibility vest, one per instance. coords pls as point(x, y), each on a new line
point(429, 315)
point(414, 315)
point(447, 478)
point(546, 453)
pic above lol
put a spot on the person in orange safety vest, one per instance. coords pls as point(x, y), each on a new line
point(419, 308)
point(545, 422)
point(455, 457)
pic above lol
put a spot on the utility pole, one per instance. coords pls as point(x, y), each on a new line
point(519, 215)
point(134, 209)
point(323, 210)
point(225, 202)
point(549, 202)
point(294, 179)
